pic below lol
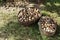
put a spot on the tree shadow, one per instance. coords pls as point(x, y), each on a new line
point(57, 35)
point(52, 7)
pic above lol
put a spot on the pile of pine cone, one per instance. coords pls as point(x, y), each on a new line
point(31, 13)
point(48, 26)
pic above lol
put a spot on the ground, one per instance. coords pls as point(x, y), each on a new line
point(11, 29)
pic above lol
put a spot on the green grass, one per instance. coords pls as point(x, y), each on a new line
point(10, 27)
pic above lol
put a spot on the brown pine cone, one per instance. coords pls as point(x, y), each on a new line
point(29, 15)
point(47, 26)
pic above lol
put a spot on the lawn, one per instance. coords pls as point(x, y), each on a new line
point(11, 29)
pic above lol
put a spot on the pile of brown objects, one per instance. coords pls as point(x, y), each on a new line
point(47, 26)
point(31, 13)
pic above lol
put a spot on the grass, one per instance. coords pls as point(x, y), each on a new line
point(11, 29)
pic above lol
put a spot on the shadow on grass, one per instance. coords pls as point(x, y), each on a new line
point(52, 7)
point(58, 33)
point(21, 32)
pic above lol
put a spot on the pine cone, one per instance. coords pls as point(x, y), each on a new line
point(29, 15)
point(47, 26)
